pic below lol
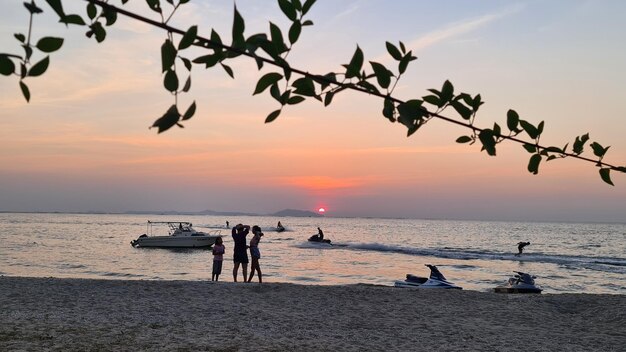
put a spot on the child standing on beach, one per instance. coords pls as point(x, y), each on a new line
point(218, 258)
point(255, 253)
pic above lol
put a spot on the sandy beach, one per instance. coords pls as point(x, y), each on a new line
point(50, 314)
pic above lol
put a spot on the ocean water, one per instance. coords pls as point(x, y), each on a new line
point(477, 255)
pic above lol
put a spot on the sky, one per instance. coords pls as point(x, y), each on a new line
point(83, 142)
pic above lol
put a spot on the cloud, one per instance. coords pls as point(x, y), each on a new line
point(459, 28)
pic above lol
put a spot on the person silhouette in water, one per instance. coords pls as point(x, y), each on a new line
point(520, 247)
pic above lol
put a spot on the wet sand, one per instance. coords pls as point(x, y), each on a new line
point(50, 314)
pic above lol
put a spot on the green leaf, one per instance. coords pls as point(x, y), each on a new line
point(294, 31)
point(25, 91)
point(533, 164)
point(393, 51)
point(7, 67)
point(288, 9)
point(228, 70)
point(49, 44)
point(295, 100)
point(307, 6)
point(169, 119)
point(190, 111)
point(605, 174)
point(170, 82)
point(383, 75)
point(188, 38)
point(512, 120)
point(304, 86)
point(464, 139)
point(39, 68)
point(353, 69)
point(168, 55)
point(266, 81)
point(272, 116)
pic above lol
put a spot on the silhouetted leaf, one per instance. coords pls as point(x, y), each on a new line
point(598, 150)
point(32, 8)
point(238, 29)
point(580, 143)
point(91, 10)
point(20, 37)
point(411, 109)
point(155, 5)
point(533, 164)
point(488, 141)
point(272, 116)
point(383, 75)
point(463, 110)
point(168, 55)
point(288, 9)
point(307, 6)
point(512, 120)
point(169, 119)
point(328, 98)
point(49, 44)
point(187, 63)
point(393, 51)
point(295, 100)
point(353, 69)
point(7, 67)
point(433, 99)
point(531, 148)
point(208, 60)
point(110, 16)
point(228, 70)
point(188, 38)
point(307, 23)
point(99, 31)
point(605, 174)
point(530, 129)
point(39, 68)
point(304, 86)
point(187, 85)
point(388, 109)
point(25, 91)
point(275, 92)
point(57, 6)
point(368, 86)
point(447, 91)
point(190, 111)
point(266, 81)
point(464, 139)
point(73, 19)
point(294, 32)
point(170, 81)
point(277, 39)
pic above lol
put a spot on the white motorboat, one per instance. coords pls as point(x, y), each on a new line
point(181, 234)
point(520, 283)
point(435, 280)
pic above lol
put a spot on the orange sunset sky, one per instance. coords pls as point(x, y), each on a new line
point(83, 143)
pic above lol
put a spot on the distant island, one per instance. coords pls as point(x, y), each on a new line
point(282, 213)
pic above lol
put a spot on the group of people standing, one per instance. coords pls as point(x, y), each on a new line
point(240, 254)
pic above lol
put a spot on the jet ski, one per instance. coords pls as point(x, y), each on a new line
point(317, 238)
point(520, 283)
point(280, 229)
point(436, 280)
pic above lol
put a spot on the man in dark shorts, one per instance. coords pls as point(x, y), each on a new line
point(241, 254)
point(520, 247)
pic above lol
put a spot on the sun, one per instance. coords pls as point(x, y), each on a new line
point(321, 210)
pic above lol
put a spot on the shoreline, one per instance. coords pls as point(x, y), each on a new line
point(102, 314)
